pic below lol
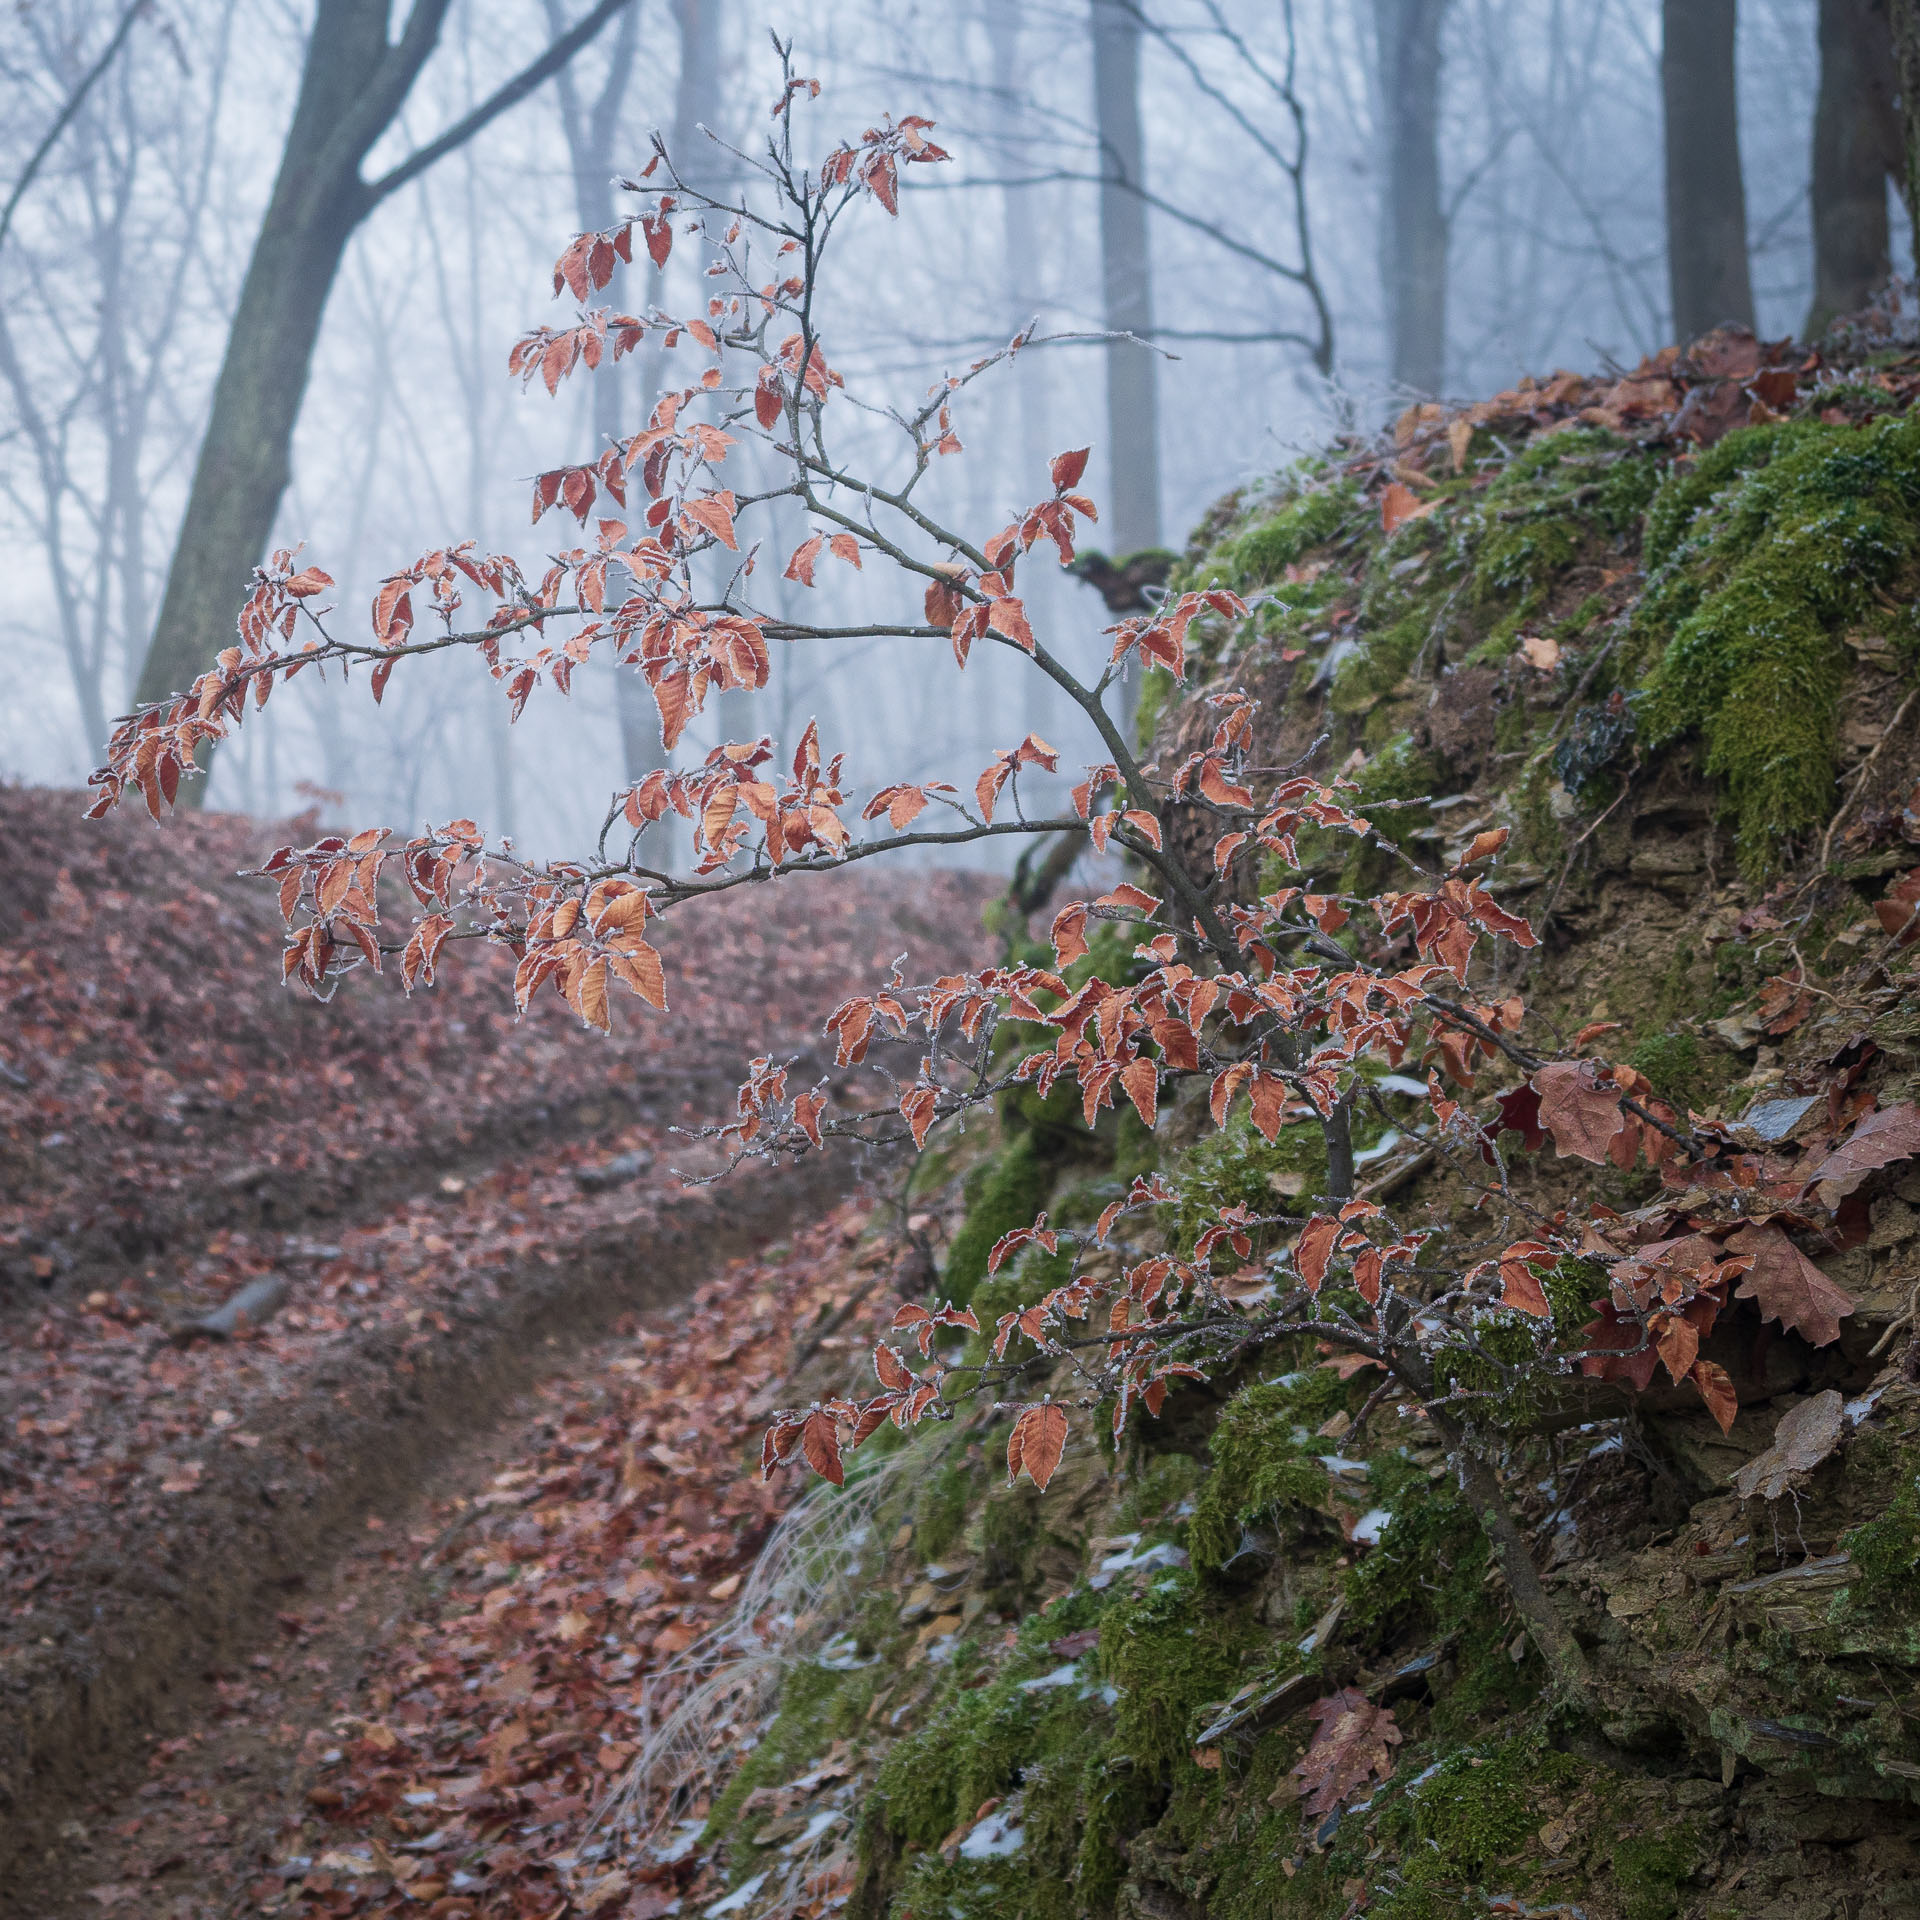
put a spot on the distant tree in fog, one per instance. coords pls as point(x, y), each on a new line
point(1856, 146)
point(1413, 223)
point(1133, 400)
point(353, 85)
point(1706, 195)
point(90, 330)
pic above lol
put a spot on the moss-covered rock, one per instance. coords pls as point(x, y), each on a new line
point(1761, 554)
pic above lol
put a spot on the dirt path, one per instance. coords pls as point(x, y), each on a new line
point(301, 1773)
point(180, 1826)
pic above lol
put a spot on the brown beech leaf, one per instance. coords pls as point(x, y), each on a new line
point(820, 1441)
point(1896, 912)
point(714, 512)
point(1716, 1389)
point(1582, 1116)
point(1069, 934)
point(1035, 1445)
point(1520, 1286)
point(1352, 1744)
point(1789, 1287)
point(1314, 1249)
point(1141, 1082)
point(1807, 1434)
point(1880, 1139)
point(800, 567)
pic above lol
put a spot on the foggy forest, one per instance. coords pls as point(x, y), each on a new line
point(959, 961)
point(126, 261)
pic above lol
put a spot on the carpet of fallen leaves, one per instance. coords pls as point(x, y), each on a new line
point(176, 1127)
point(435, 1735)
point(158, 1089)
point(157, 1084)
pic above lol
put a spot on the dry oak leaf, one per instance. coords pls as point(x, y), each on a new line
point(1353, 1743)
point(1399, 504)
point(1038, 1439)
point(1583, 1117)
point(1879, 1140)
point(1806, 1435)
point(1789, 1287)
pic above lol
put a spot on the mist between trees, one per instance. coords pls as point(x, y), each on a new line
point(1313, 212)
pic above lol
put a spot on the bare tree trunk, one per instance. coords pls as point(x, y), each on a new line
point(352, 85)
point(1903, 20)
point(1027, 393)
point(592, 138)
point(1856, 145)
point(1020, 237)
point(1133, 405)
point(1706, 199)
point(1413, 223)
point(703, 164)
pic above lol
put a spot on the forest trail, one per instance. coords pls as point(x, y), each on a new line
point(445, 1204)
point(261, 1792)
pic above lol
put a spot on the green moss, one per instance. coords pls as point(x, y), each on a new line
point(1051, 1746)
point(1538, 516)
point(1519, 563)
point(1766, 549)
point(1236, 1166)
point(1383, 660)
point(1429, 1568)
point(1265, 1458)
point(1298, 524)
point(1159, 691)
point(941, 1500)
point(1887, 1549)
point(1156, 1488)
point(1474, 1812)
point(1683, 1072)
point(818, 1705)
point(1003, 1193)
point(1171, 1651)
point(1537, 836)
point(1649, 1871)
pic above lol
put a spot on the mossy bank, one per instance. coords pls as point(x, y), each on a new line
point(1671, 666)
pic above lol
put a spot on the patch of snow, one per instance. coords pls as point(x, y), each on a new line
point(1331, 662)
point(741, 1897)
point(1380, 1148)
point(814, 1829)
point(1059, 1677)
point(1132, 1558)
point(998, 1835)
point(1370, 1526)
point(678, 1844)
point(1401, 1083)
point(1339, 1463)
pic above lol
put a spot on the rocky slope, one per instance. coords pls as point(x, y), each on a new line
point(1255, 1660)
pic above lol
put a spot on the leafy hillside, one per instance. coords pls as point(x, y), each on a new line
point(1256, 1657)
